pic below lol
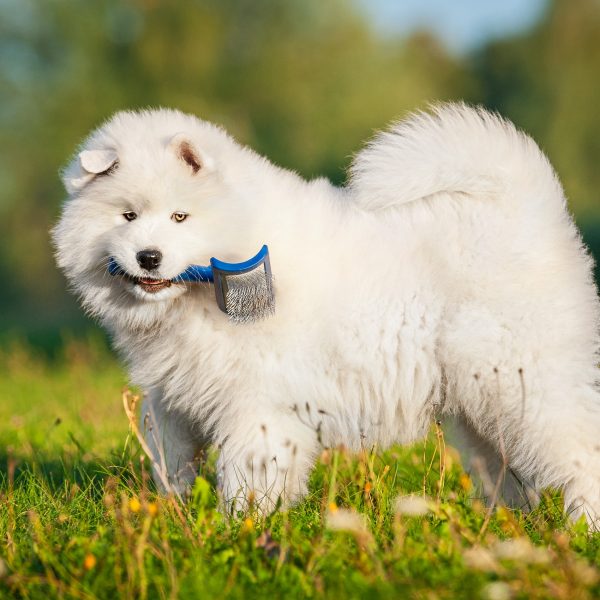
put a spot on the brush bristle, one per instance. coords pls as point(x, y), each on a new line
point(250, 296)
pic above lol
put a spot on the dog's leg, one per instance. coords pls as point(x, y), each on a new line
point(573, 437)
point(265, 460)
point(554, 443)
point(535, 405)
point(173, 447)
point(488, 469)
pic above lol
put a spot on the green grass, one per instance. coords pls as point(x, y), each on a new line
point(79, 517)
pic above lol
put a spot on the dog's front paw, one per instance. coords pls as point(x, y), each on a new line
point(262, 482)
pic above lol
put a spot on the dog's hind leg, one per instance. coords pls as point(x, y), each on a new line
point(534, 405)
point(495, 480)
point(554, 443)
point(173, 447)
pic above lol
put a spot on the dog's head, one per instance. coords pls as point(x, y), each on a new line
point(154, 191)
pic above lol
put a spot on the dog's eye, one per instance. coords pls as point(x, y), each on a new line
point(179, 217)
point(130, 215)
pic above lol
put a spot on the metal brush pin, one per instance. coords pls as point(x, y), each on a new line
point(249, 296)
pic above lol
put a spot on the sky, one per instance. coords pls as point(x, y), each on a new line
point(462, 25)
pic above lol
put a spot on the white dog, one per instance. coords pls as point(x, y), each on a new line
point(447, 278)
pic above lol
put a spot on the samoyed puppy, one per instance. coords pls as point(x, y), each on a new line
point(447, 278)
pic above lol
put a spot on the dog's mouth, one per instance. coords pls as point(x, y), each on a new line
point(151, 285)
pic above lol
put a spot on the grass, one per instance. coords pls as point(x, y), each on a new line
point(79, 516)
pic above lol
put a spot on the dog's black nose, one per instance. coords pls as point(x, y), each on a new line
point(149, 259)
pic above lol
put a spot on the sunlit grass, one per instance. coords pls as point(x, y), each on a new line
point(80, 517)
point(55, 406)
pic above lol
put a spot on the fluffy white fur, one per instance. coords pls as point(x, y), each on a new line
point(447, 278)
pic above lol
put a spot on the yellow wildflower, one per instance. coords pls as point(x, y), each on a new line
point(134, 505)
point(465, 482)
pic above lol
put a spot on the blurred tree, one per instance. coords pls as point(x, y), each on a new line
point(302, 81)
point(547, 82)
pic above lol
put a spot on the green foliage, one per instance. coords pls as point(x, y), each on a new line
point(543, 82)
point(80, 517)
point(304, 82)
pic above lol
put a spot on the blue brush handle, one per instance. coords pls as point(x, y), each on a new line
point(241, 267)
point(114, 268)
point(199, 273)
point(195, 273)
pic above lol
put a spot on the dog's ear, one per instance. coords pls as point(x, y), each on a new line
point(87, 165)
point(189, 154)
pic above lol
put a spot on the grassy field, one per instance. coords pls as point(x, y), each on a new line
point(79, 517)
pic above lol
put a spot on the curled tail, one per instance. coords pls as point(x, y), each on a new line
point(453, 148)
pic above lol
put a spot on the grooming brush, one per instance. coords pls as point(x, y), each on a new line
point(244, 291)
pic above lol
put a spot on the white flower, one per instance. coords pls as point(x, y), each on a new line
point(412, 506)
point(522, 550)
point(352, 522)
point(497, 590)
point(343, 519)
point(480, 559)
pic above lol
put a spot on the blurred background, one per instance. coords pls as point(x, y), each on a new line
point(303, 81)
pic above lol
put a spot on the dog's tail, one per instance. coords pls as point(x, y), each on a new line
point(452, 148)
